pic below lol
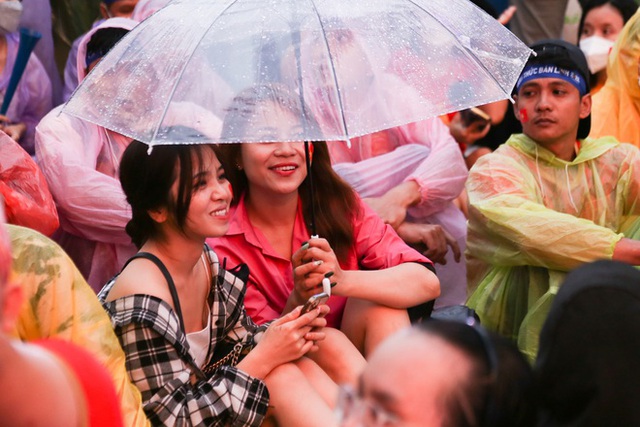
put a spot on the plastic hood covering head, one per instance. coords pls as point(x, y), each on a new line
point(124, 23)
point(522, 238)
point(616, 108)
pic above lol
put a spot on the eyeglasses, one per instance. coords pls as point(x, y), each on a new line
point(353, 407)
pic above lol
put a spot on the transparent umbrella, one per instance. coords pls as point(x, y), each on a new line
point(341, 59)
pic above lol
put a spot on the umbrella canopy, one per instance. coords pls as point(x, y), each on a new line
point(341, 59)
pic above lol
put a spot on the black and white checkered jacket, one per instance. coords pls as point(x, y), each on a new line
point(174, 390)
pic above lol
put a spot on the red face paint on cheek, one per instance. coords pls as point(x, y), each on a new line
point(524, 117)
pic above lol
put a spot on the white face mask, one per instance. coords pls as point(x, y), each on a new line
point(596, 49)
point(10, 12)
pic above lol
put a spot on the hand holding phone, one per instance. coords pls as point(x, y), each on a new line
point(314, 301)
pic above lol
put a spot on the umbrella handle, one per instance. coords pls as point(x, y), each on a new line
point(307, 159)
point(28, 40)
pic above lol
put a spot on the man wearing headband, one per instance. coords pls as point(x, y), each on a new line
point(549, 199)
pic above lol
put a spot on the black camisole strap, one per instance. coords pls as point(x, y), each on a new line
point(169, 279)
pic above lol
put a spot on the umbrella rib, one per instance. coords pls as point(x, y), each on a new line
point(175, 86)
point(333, 73)
point(469, 52)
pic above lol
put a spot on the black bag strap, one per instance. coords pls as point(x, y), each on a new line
point(168, 278)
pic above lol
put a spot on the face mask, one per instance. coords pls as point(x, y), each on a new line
point(596, 49)
point(10, 12)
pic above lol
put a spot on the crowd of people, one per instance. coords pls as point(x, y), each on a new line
point(474, 269)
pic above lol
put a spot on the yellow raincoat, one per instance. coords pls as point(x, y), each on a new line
point(616, 108)
point(59, 303)
point(534, 217)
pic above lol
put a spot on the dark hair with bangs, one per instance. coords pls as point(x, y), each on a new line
point(334, 200)
point(147, 177)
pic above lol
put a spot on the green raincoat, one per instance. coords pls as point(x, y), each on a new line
point(533, 217)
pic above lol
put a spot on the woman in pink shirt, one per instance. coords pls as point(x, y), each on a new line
point(377, 275)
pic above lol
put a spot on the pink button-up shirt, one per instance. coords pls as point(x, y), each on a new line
point(376, 246)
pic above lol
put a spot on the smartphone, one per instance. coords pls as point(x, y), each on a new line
point(314, 301)
point(473, 115)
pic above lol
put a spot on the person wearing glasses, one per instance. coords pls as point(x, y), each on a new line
point(442, 373)
point(549, 199)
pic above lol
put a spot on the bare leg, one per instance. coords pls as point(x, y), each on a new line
point(338, 357)
point(367, 324)
point(294, 398)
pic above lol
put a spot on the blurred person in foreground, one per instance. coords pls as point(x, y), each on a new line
point(442, 374)
point(587, 344)
point(50, 381)
point(549, 199)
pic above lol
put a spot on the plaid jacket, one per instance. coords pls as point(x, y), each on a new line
point(160, 365)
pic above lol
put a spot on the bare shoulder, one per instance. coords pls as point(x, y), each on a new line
point(140, 277)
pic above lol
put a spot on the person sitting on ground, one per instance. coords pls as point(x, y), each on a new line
point(80, 159)
point(442, 374)
point(377, 275)
point(548, 200)
point(600, 24)
point(587, 345)
point(32, 99)
point(616, 108)
point(51, 381)
point(27, 200)
point(80, 162)
point(195, 355)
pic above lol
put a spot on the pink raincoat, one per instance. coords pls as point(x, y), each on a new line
point(32, 98)
point(80, 161)
point(426, 153)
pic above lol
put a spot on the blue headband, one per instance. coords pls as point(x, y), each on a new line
point(540, 71)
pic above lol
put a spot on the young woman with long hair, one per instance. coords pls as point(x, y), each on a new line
point(376, 275)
